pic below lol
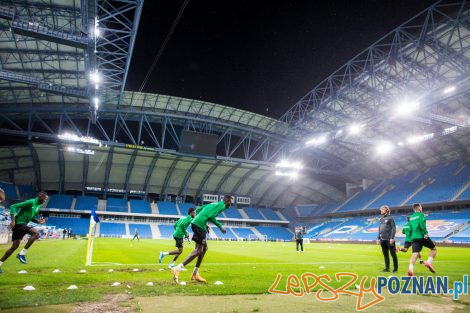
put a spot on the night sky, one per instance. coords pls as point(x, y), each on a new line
point(260, 56)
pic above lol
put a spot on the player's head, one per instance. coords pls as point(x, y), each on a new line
point(417, 207)
point(2, 195)
point(384, 210)
point(42, 197)
point(192, 212)
point(228, 201)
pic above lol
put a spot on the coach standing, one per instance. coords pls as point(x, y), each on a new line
point(299, 240)
point(387, 230)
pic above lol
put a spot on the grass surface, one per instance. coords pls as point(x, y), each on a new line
point(243, 267)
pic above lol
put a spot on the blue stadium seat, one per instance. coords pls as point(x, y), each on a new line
point(275, 232)
point(26, 191)
point(220, 235)
point(462, 236)
point(144, 230)
point(9, 189)
point(80, 226)
point(232, 213)
point(270, 214)
point(140, 206)
point(117, 205)
point(112, 229)
point(244, 233)
point(364, 197)
point(253, 214)
point(63, 202)
point(167, 208)
point(166, 231)
point(184, 206)
point(86, 203)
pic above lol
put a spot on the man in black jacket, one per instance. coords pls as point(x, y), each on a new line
point(386, 237)
point(299, 240)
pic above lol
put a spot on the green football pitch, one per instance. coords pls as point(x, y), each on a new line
point(242, 267)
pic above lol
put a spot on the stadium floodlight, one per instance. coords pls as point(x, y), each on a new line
point(355, 129)
point(316, 141)
point(449, 130)
point(449, 89)
point(288, 164)
point(384, 147)
point(287, 174)
point(84, 139)
point(407, 107)
point(400, 143)
point(97, 102)
point(96, 30)
point(417, 139)
point(80, 150)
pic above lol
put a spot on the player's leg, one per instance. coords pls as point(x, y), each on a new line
point(385, 244)
point(416, 247)
point(432, 254)
point(393, 253)
point(15, 244)
point(34, 235)
point(297, 245)
point(302, 245)
point(200, 257)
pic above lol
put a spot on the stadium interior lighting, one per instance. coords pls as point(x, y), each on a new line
point(287, 164)
point(400, 143)
point(287, 174)
point(416, 139)
point(79, 150)
point(407, 107)
point(84, 139)
point(355, 129)
point(96, 30)
point(97, 103)
point(316, 141)
point(449, 130)
point(384, 148)
point(449, 89)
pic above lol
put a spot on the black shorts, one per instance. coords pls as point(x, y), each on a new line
point(20, 230)
point(179, 242)
point(418, 244)
point(199, 235)
point(407, 244)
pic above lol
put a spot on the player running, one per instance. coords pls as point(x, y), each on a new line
point(180, 232)
point(420, 238)
point(21, 214)
point(407, 232)
point(204, 214)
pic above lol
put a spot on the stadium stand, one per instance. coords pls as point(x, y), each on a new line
point(144, 230)
point(112, 229)
point(232, 213)
point(166, 231)
point(86, 203)
point(270, 214)
point(363, 198)
point(167, 208)
point(63, 202)
point(9, 189)
point(244, 233)
point(326, 227)
point(253, 213)
point(220, 235)
point(275, 233)
point(462, 236)
point(140, 206)
point(184, 206)
point(117, 205)
point(79, 225)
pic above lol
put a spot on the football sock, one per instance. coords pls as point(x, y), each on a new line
point(23, 252)
point(196, 270)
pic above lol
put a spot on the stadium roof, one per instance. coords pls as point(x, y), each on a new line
point(49, 52)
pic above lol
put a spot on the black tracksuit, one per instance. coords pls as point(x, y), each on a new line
point(387, 230)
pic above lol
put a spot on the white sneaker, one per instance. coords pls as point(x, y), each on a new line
point(184, 269)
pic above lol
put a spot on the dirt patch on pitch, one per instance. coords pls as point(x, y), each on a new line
point(279, 303)
point(118, 303)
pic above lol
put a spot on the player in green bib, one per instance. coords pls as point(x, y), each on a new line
point(179, 234)
point(204, 214)
point(21, 214)
point(420, 238)
point(407, 232)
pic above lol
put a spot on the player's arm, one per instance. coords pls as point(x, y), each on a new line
point(217, 223)
point(184, 226)
point(14, 208)
point(394, 229)
point(39, 220)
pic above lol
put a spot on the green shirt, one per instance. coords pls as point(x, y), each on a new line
point(207, 213)
point(407, 232)
point(418, 226)
point(25, 211)
point(181, 225)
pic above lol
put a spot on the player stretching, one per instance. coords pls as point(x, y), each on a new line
point(407, 232)
point(206, 213)
point(179, 233)
point(420, 238)
point(21, 214)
